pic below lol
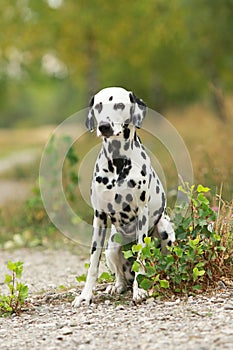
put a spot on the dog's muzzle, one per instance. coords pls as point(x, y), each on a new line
point(105, 129)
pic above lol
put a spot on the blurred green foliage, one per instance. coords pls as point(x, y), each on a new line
point(56, 53)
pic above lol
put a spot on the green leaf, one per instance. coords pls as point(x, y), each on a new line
point(8, 279)
point(156, 278)
point(193, 242)
point(195, 203)
point(136, 248)
point(201, 188)
point(16, 267)
point(197, 287)
point(164, 284)
point(151, 270)
point(147, 240)
point(86, 266)
point(11, 265)
point(81, 278)
point(197, 273)
point(105, 277)
point(23, 289)
point(217, 237)
point(128, 254)
point(181, 189)
point(19, 269)
point(201, 272)
point(200, 264)
point(146, 284)
point(202, 199)
point(178, 251)
point(136, 266)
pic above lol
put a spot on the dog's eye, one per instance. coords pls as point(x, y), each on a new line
point(119, 106)
point(99, 107)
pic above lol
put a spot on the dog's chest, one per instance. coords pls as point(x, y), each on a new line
point(119, 187)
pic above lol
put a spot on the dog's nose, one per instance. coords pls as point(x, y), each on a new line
point(105, 129)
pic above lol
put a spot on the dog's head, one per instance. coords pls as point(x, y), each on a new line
point(113, 108)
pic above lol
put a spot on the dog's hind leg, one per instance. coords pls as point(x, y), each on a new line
point(166, 232)
point(99, 233)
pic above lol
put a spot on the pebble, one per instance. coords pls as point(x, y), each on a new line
point(221, 285)
point(172, 303)
point(66, 330)
point(150, 301)
point(120, 307)
point(228, 307)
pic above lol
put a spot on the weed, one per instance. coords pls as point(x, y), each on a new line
point(201, 255)
point(18, 292)
point(105, 276)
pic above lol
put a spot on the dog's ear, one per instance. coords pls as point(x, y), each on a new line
point(137, 111)
point(90, 121)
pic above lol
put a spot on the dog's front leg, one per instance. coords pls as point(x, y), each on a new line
point(98, 237)
point(142, 231)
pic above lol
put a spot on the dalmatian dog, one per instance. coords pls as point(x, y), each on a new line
point(125, 189)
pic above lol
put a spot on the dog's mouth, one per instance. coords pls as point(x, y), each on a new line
point(111, 136)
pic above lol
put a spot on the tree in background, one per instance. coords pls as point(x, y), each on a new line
point(55, 54)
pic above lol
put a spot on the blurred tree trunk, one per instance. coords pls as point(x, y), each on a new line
point(92, 68)
point(157, 95)
point(218, 100)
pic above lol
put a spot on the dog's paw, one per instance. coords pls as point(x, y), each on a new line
point(117, 288)
point(81, 300)
point(139, 294)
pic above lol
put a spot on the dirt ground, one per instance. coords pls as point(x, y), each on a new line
point(50, 322)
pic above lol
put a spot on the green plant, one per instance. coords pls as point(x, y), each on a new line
point(18, 292)
point(103, 278)
point(198, 256)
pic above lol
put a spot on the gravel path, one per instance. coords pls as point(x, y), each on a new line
point(110, 323)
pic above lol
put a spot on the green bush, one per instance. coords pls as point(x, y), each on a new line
point(200, 256)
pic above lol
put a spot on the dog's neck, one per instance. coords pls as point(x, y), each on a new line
point(121, 146)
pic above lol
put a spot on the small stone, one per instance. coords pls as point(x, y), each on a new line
point(221, 285)
point(191, 300)
point(172, 303)
point(66, 330)
point(228, 307)
point(227, 331)
point(150, 301)
point(120, 307)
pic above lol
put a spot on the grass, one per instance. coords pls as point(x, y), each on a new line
point(210, 144)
